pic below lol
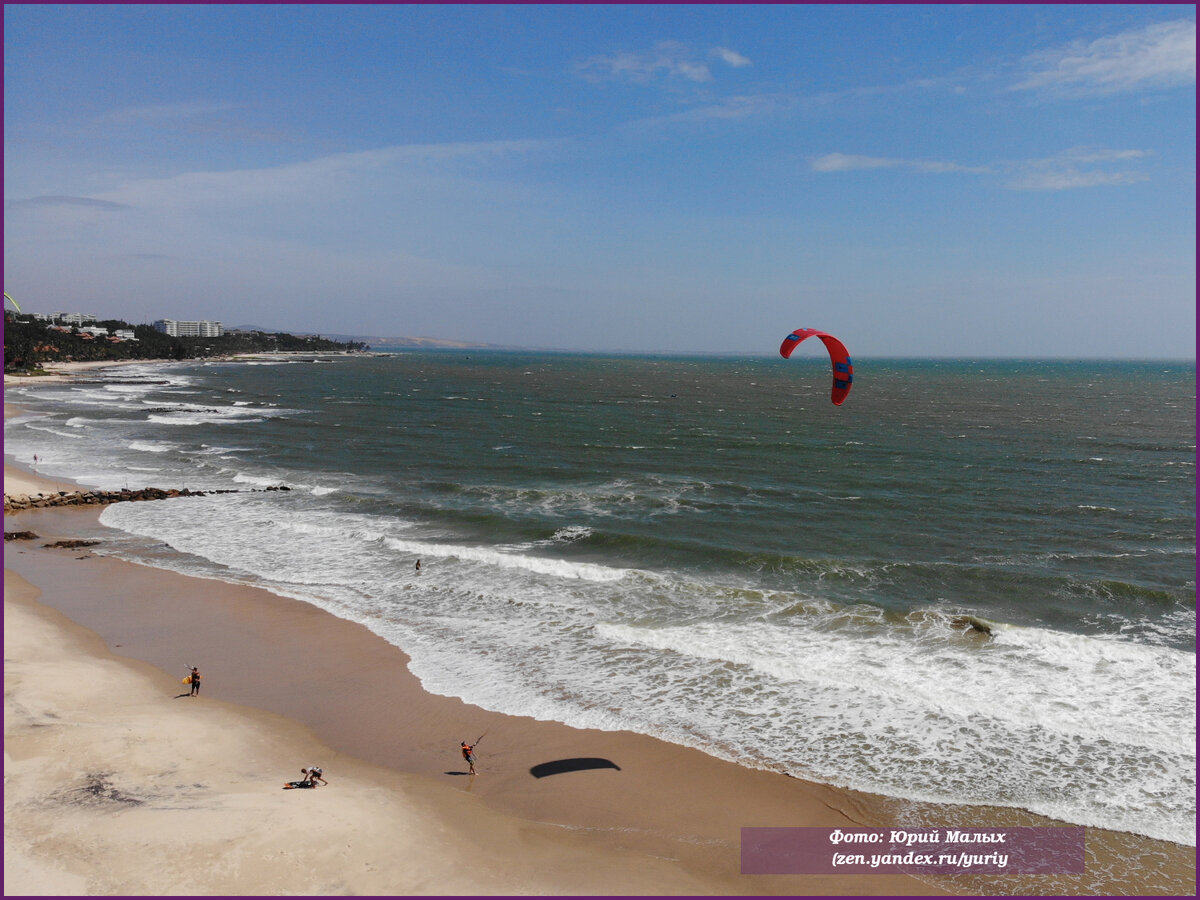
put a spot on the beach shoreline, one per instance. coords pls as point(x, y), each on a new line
point(664, 819)
point(667, 821)
point(117, 783)
point(60, 372)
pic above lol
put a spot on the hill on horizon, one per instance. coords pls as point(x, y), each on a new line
point(378, 341)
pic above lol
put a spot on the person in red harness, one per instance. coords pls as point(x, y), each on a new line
point(468, 753)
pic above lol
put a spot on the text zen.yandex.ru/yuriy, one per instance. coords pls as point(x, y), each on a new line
point(815, 851)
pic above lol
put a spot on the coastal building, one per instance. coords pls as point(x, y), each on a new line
point(189, 329)
point(65, 318)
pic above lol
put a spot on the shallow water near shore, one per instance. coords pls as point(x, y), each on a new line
point(707, 551)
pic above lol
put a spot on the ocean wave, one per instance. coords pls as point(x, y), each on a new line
point(58, 432)
point(964, 704)
point(215, 418)
point(558, 568)
point(152, 446)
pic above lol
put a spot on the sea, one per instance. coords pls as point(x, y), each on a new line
point(707, 550)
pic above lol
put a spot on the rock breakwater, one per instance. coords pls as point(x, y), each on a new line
point(18, 502)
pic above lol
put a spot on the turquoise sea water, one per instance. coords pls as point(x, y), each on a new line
point(708, 551)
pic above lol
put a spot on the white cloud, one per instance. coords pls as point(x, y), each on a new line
point(728, 109)
point(842, 162)
point(949, 85)
point(1079, 167)
point(730, 57)
point(1158, 56)
point(667, 59)
point(1067, 179)
point(317, 177)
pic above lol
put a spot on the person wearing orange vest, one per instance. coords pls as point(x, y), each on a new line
point(468, 753)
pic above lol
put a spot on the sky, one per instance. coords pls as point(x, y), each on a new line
point(928, 181)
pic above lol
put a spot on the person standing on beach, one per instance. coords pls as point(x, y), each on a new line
point(468, 753)
point(195, 681)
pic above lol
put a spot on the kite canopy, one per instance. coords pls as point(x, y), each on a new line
point(9, 298)
point(843, 368)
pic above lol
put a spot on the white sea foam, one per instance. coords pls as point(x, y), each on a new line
point(213, 418)
point(559, 568)
point(731, 686)
point(152, 446)
point(50, 429)
point(571, 533)
point(1057, 696)
point(256, 480)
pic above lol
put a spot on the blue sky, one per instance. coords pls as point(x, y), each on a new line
point(920, 180)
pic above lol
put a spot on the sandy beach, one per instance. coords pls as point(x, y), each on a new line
point(197, 781)
point(118, 783)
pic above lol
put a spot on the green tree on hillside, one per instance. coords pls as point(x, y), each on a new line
point(28, 344)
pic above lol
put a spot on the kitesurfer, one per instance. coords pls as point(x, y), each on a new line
point(468, 753)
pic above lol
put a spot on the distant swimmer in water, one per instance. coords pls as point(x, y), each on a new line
point(468, 753)
point(418, 567)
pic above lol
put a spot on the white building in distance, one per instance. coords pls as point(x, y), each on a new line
point(189, 329)
point(63, 318)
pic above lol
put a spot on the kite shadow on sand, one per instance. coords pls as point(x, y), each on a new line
point(574, 764)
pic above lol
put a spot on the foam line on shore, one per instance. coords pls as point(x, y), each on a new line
point(647, 828)
point(188, 794)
